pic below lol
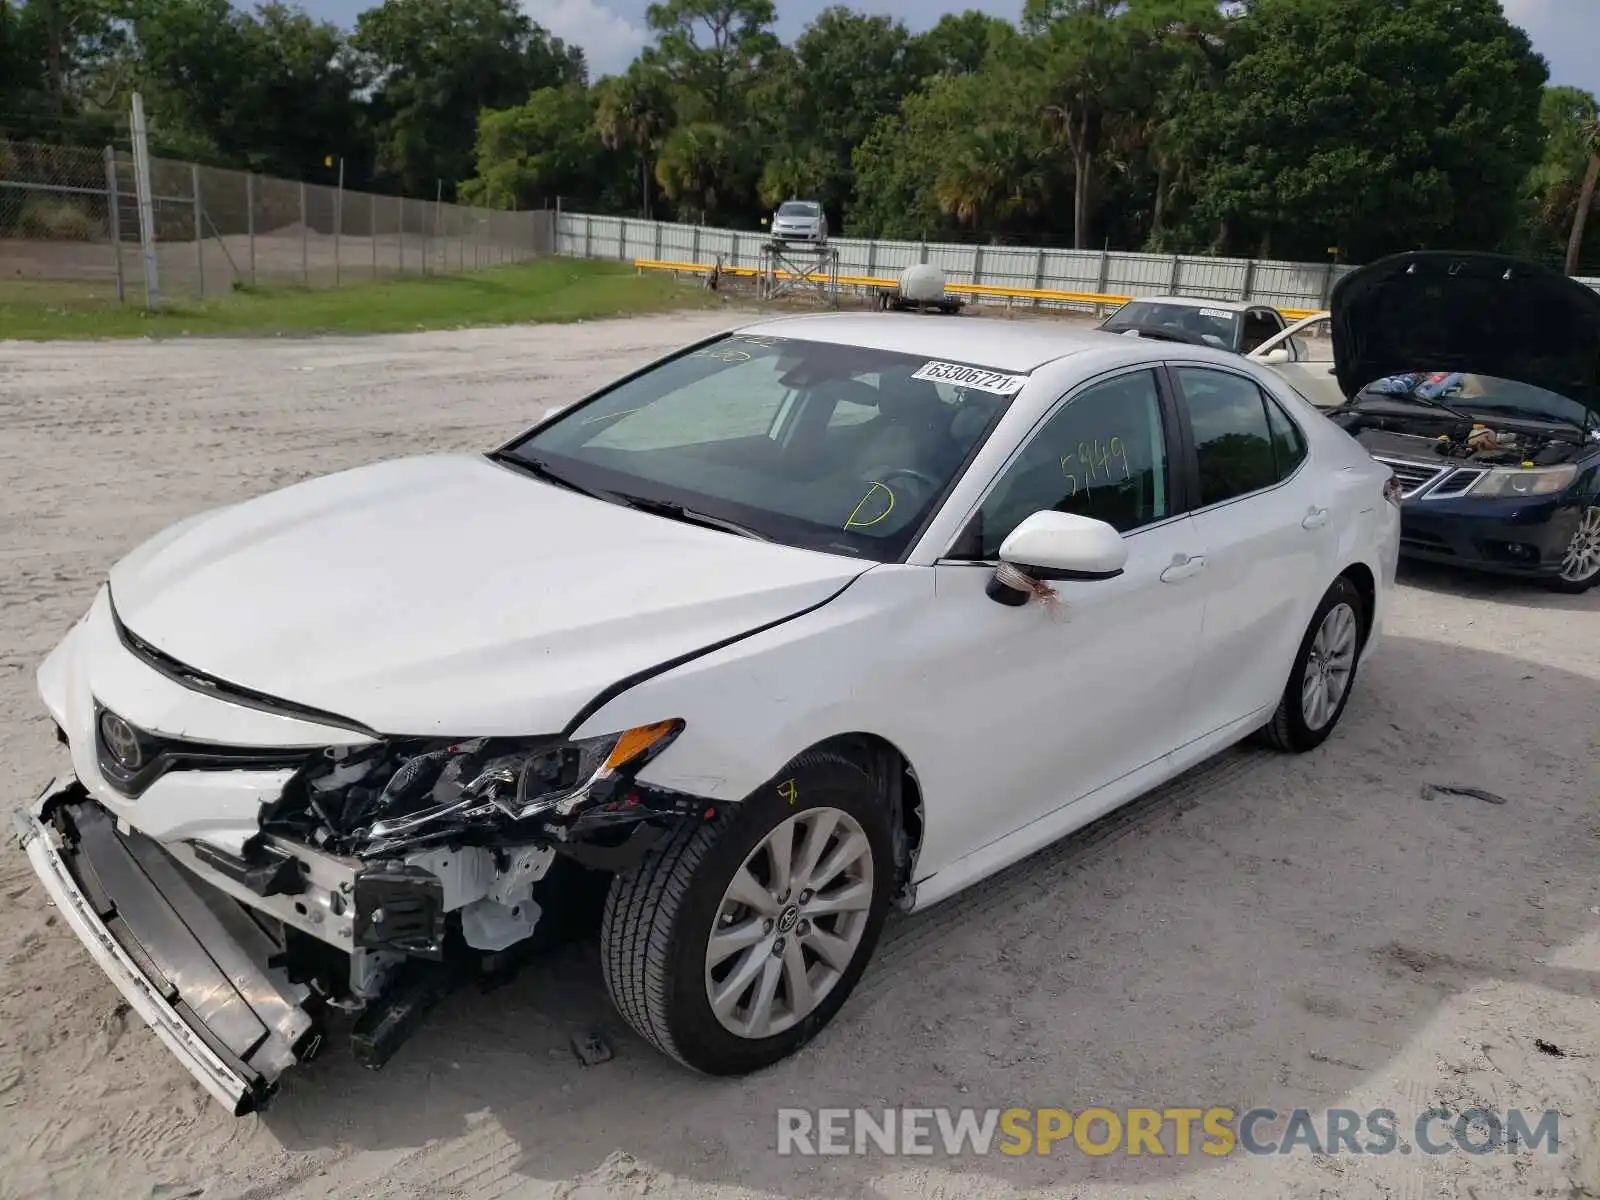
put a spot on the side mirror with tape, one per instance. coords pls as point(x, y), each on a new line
point(1275, 357)
point(1056, 546)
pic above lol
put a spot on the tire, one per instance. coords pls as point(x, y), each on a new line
point(659, 918)
point(1580, 570)
point(1293, 729)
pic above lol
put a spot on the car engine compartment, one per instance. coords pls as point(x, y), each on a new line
point(1418, 432)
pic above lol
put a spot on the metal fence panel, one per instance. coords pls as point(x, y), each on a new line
point(69, 214)
point(58, 216)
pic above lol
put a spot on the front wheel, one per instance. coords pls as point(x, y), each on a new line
point(1580, 566)
point(1324, 671)
point(734, 942)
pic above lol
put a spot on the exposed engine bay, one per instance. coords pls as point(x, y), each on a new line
point(1419, 432)
point(386, 873)
point(395, 797)
point(448, 842)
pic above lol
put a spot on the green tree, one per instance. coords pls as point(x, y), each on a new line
point(1569, 117)
point(963, 150)
point(1103, 62)
point(1585, 205)
point(796, 172)
point(849, 70)
point(1368, 126)
point(633, 113)
point(712, 50)
point(437, 64)
point(537, 150)
point(992, 176)
point(702, 170)
point(272, 91)
point(960, 43)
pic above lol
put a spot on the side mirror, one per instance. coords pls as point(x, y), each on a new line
point(1057, 545)
point(1274, 357)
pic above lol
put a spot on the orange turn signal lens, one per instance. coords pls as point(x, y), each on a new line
point(640, 740)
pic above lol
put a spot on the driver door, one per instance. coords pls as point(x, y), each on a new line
point(1303, 355)
point(1049, 703)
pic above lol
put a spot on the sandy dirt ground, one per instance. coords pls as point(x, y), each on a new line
point(1264, 931)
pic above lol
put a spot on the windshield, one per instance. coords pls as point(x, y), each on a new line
point(1216, 326)
point(798, 208)
point(822, 446)
point(1484, 395)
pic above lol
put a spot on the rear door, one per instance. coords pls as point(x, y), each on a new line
point(1266, 528)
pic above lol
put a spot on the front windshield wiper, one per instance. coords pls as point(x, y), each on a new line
point(1425, 401)
point(540, 469)
point(677, 512)
point(1530, 414)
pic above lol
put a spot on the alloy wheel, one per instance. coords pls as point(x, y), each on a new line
point(789, 923)
point(1329, 666)
point(1582, 559)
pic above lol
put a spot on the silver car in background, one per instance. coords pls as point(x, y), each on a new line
point(800, 222)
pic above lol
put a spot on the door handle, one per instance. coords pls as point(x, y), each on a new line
point(1183, 567)
point(1315, 519)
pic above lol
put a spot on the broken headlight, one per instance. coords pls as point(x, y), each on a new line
point(426, 793)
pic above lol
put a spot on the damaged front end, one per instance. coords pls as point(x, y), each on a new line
point(381, 875)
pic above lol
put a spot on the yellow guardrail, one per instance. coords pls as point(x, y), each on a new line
point(992, 291)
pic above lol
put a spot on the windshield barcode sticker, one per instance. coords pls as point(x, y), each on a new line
point(971, 377)
point(1221, 314)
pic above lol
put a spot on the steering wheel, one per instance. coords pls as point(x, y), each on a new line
point(883, 474)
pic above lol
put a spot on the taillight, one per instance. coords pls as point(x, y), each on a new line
point(1392, 490)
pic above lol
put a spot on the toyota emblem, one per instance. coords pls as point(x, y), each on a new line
point(121, 741)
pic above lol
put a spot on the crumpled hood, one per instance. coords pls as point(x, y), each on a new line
point(447, 595)
point(1435, 311)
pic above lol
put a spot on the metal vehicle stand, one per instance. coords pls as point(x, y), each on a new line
point(790, 270)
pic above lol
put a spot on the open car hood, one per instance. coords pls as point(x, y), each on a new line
point(1437, 311)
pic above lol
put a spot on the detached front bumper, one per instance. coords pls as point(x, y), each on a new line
point(1507, 537)
point(187, 958)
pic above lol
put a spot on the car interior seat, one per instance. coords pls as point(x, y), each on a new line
point(912, 430)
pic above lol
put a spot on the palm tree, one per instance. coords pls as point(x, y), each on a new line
point(697, 168)
point(992, 176)
point(1585, 200)
point(634, 112)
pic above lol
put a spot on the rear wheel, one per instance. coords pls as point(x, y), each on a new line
point(734, 942)
point(1580, 566)
point(1324, 671)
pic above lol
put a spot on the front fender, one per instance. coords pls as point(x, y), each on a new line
point(749, 708)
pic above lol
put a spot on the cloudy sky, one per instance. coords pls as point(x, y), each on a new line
point(1566, 32)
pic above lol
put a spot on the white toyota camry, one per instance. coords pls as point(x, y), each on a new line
point(821, 617)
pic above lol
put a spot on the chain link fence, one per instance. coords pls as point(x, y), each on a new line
point(71, 215)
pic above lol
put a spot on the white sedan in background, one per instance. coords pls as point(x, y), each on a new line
point(821, 617)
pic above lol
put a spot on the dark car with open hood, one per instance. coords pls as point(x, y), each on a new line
point(1476, 378)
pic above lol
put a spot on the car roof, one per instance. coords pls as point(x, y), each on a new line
point(1199, 302)
point(989, 342)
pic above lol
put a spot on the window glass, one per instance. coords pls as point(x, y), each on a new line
point(739, 402)
point(1101, 455)
point(1314, 343)
point(1258, 328)
point(1231, 436)
point(1189, 322)
point(832, 447)
point(1288, 446)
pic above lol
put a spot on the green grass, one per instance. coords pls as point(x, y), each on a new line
point(552, 289)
